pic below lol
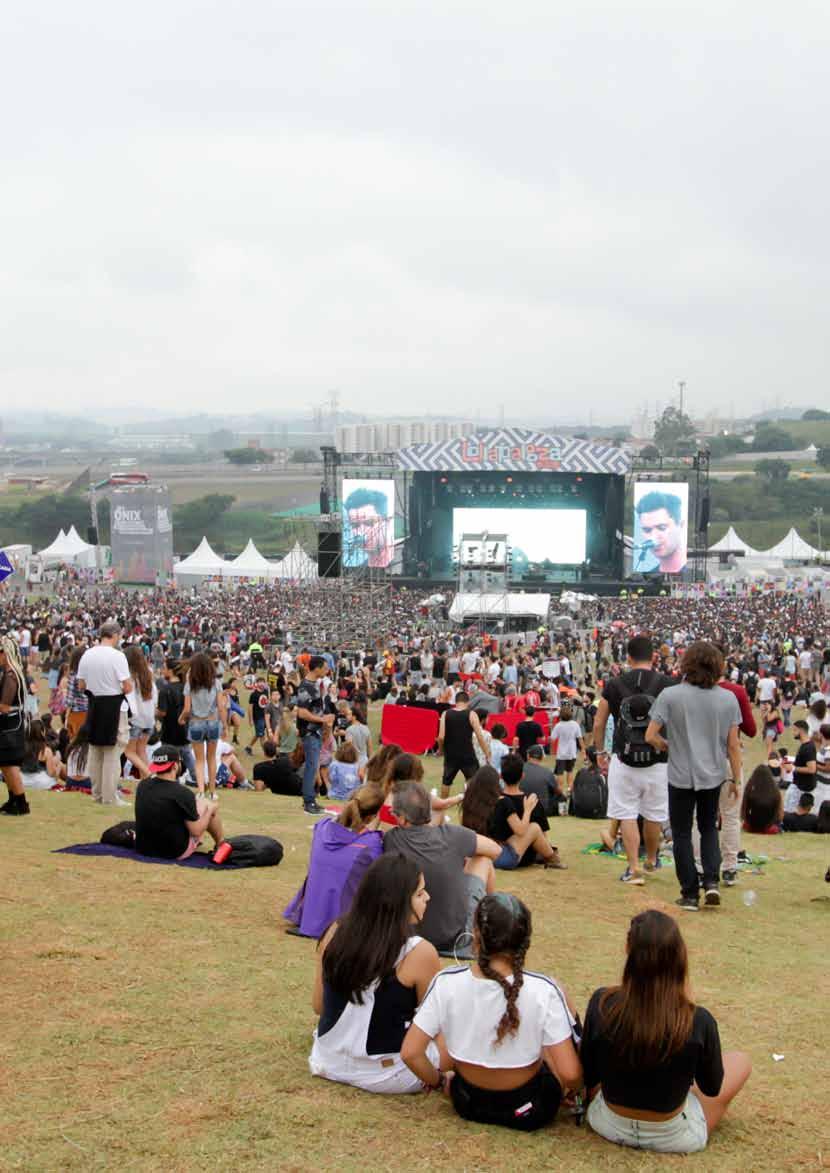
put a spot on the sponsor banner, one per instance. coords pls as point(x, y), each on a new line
point(141, 534)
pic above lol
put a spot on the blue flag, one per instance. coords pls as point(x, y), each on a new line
point(6, 567)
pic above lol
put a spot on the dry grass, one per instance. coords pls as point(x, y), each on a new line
point(159, 1017)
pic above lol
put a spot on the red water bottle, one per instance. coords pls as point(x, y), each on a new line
point(222, 852)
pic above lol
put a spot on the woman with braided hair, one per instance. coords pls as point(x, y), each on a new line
point(509, 1032)
point(13, 692)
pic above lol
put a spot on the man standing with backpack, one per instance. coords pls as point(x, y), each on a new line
point(637, 782)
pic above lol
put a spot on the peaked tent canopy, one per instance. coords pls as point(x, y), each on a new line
point(792, 545)
point(296, 565)
point(731, 543)
point(249, 564)
point(203, 561)
point(58, 544)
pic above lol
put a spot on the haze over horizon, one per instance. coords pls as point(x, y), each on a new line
point(433, 207)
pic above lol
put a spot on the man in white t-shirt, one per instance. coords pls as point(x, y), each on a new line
point(805, 663)
point(766, 690)
point(104, 672)
point(25, 643)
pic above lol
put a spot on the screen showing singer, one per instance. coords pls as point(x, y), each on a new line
point(661, 524)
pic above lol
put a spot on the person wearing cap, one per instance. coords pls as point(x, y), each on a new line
point(170, 819)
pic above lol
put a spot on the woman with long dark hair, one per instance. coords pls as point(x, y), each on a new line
point(372, 971)
point(142, 701)
point(762, 808)
point(204, 713)
point(652, 1058)
point(509, 1033)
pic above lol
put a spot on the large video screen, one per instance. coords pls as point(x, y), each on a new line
point(535, 535)
point(661, 527)
point(368, 508)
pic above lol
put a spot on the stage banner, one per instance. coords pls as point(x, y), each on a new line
point(141, 533)
point(514, 450)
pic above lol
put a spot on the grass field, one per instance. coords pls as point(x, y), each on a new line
point(159, 1018)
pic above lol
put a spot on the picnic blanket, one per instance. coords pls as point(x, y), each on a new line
point(199, 859)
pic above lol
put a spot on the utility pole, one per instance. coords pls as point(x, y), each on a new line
point(682, 386)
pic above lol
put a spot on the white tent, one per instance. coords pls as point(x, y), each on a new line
point(730, 543)
point(204, 562)
point(68, 550)
point(296, 565)
point(249, 564)
point(509, 606)
point(792, 546)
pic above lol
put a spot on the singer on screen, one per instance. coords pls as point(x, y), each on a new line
point(369, 536)
point(662, 530)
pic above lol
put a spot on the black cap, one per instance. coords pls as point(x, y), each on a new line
point(164, 758)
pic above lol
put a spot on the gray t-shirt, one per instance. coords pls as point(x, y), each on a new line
point(696, 723)
point(440, 853)
point(359, 736)
point(204, 705)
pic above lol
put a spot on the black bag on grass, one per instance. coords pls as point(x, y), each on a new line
point(121, 835)
point(253, 851)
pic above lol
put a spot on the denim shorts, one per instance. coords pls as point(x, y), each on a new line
point(137, 731)
point(684, 1133)
point(203, 730)
point(508, 860)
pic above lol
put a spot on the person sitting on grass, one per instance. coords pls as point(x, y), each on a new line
point(763, 803)
point(341, 851)
point(652, 1058)
point(508, 1032)
point(345, 775)
point(456, 861)
point(406, 767)
point(372, 971)
point(377, 766)
point(276, 773)
point(518, 823)
point(802, 818)
point(170, 819)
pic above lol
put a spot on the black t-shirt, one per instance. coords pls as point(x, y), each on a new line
point(656, 1089)
point(171, 702)
point(797, 822)
point(161, 808)
point(278, 775)
point(528, 733)
point(806, 754)
point(308, 697)
point(635, 680)
point(499, 828)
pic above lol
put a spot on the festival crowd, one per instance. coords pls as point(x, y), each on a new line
point(643, 706)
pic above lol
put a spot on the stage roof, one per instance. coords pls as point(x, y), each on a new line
point(514, 450)
point(512, 605)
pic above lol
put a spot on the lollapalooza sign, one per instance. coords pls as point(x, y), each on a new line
point(514, 450)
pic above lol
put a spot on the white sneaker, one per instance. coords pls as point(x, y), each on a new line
point(119, 801)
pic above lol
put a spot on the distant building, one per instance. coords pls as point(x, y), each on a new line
point(389, 435)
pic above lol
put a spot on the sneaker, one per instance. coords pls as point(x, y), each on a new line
point(629, 877)
point(246, 785)
point(689, 903)
point(312, 808)
point(653, 867)
point(712, 898)
point(119, 801)
point(730, 878)
point(249, 751)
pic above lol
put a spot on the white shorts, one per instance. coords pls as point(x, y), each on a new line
point(633, 792)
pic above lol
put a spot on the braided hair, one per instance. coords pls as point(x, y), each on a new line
point(503, 926)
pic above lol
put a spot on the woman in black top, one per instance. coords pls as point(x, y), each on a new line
point(652, 1058)
point(12, 726)
point(512, 818)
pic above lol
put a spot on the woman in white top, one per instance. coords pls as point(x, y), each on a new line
point(509, 1033)
point(372, 971)
point(142, 701)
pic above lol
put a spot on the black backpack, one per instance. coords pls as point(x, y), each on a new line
point(589, 795)
point(121, 835)
point(253, 851)
point(635, 715)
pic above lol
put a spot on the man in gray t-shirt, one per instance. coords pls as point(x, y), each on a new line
point(456, 864)
point(697, 722)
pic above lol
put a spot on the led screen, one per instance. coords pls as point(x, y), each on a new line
point(535, 535)
point(661, 527)
point(368, 511)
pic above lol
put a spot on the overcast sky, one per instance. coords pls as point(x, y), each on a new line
point(432, 206)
